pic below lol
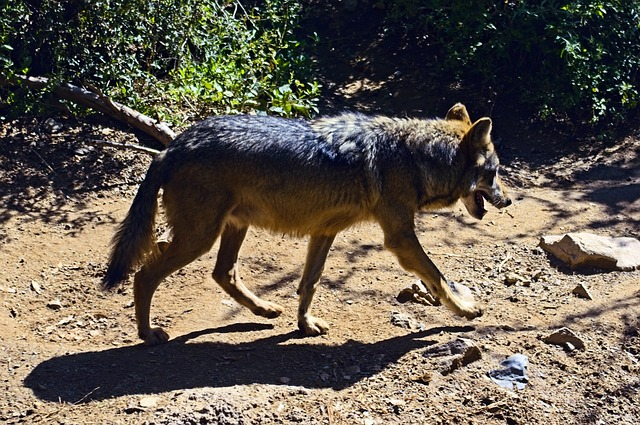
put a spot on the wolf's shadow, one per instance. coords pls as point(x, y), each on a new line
point(184, 364)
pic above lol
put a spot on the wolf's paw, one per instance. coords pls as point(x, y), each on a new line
point(472, 313)
point(462, 292)
point(464, 304)
point(312, 326)
point(267, 309)
point(154, 336)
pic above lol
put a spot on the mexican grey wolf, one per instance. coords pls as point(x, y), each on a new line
point(303, 178)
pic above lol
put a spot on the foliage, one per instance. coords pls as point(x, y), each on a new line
point(576, 58)
point(161, 56)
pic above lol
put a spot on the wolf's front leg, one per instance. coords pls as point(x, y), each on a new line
point(412, 258)
point(316, 256)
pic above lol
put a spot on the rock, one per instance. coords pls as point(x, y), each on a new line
point(536, 275)
point(425, 378)
point(35, 287)
point(582, 292)
point(52, 126)
point(512, 278)
point(566, 338)
point(459, 353)
point(147, 402)
point(417, 293)
point(589, 250)
point(54, 304)
point(513, 375)
point(405, 321)
point(457, 346)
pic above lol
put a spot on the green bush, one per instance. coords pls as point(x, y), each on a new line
point(574, 58)
point(165, 56)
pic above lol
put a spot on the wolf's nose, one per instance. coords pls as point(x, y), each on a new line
point(507, 202)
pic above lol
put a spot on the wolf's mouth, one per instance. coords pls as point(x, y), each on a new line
point(479, 199)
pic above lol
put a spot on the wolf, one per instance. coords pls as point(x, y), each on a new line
point(301, 177)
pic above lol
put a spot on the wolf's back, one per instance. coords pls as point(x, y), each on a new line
point(135, 236)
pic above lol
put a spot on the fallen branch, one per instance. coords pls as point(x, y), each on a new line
point(129, 146)
point(158, 130)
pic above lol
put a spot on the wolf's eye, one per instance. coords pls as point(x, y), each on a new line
point(489, 177)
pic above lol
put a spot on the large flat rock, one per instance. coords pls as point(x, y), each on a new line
point(589, 250)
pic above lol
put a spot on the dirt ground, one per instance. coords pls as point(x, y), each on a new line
point(70, 353)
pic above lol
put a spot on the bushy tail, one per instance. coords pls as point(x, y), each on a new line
point(135, 236)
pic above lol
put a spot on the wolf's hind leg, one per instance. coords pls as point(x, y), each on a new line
point(183, 249)
point(226, 274)
point(316, 256)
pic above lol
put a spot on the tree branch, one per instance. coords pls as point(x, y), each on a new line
point(135, 119)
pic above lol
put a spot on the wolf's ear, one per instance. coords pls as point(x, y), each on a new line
point(479, 135)
point(458, 113)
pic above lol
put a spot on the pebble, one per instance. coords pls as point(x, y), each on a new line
point(458, 353)
point(54, 304)
point(417, 293)
point(35, 287)
point(405, 321)
point(582, 291)
point(147, 402)
point(512, 279)
point(565, 338)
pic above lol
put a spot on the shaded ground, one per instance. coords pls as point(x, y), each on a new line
point(70, 354)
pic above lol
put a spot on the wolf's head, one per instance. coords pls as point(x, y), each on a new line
point(483, 162)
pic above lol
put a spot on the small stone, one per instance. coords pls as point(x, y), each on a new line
point(565, 338)
point(582, 292)
point(65, 321)
point(458, 353)
point(54, 304)
point(457, 346)
point(52, 126)
point(512, 278)
point(285, 380)
point(405, 321)
point(425, 378)
point(513, 374)
point(35, 287)
point(417, 293)
point(147, 402)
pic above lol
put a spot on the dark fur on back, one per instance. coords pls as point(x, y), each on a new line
point(355, 146)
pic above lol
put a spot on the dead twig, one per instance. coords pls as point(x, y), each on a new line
point(128, 146)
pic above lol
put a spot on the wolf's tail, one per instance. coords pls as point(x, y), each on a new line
point(135, 236)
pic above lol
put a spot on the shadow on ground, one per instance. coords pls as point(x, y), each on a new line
point(183, 364)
